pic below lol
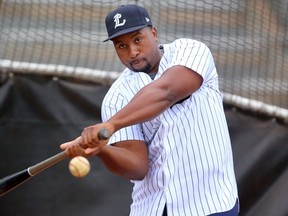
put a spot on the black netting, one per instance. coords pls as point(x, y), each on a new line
point(248, 38)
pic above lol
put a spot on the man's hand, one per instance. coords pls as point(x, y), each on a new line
point(91, 141)
point(73, 149)
point(88, 143)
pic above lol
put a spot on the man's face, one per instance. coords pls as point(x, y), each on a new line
point(139, 50)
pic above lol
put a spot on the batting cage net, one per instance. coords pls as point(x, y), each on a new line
point(248, 38)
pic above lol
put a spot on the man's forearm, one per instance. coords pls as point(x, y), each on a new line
point(146, 105)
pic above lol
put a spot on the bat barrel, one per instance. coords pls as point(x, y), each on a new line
point(10, 182)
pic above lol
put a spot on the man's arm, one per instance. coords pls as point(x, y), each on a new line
point(125, 157)
point(175, 84)
point(128, 159)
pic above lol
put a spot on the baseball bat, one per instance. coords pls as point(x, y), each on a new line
point(14, 180)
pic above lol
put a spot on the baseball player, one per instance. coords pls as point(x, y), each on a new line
point(169, 134)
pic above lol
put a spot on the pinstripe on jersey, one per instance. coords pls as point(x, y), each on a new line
point(191, 163)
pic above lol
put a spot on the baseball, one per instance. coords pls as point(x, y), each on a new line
point(79, 166)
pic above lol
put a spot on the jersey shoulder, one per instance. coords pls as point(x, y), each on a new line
point(187, 42)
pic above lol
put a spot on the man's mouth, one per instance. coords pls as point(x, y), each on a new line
point(136, 63)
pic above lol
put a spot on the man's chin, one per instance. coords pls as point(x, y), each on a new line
point(137, 71)
point(144, 70)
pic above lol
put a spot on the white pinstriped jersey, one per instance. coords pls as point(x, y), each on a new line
point(191, 164)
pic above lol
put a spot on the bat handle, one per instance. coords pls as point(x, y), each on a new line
point(33, 170)
point(103, 134)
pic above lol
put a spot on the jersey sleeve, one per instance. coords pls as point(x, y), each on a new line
point(194, 55)
point(118, 96)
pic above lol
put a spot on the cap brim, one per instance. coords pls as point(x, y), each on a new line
point(125, 31)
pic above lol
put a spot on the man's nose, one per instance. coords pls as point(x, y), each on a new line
point(134, 51)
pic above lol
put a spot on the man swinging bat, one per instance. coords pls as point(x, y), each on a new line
point(168, 130)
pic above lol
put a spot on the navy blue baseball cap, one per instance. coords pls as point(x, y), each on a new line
point(126, 19)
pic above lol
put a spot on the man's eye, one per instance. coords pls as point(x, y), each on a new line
point(121, 46)
point(138, 40)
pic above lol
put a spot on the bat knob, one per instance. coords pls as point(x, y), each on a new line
point(103, 134)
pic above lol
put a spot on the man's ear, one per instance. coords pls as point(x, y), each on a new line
point(154, 33)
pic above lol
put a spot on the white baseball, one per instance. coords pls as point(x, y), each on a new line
point(79, 166)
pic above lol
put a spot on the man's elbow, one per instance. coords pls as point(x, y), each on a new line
point(141, 173)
